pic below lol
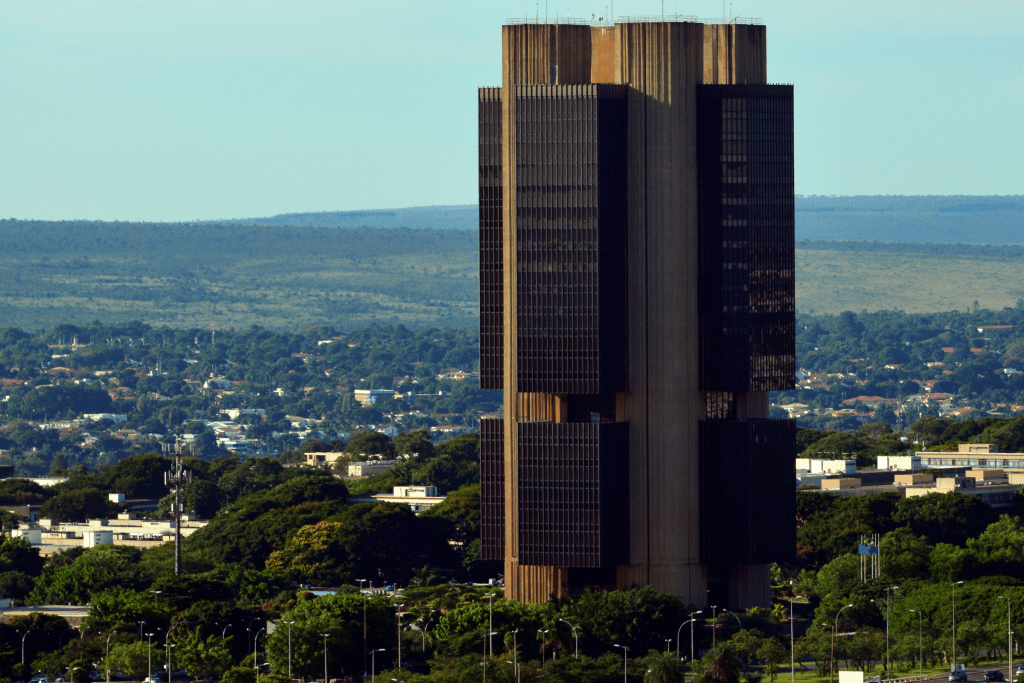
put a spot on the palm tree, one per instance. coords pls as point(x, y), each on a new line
point(719, 665)
point(662, 667)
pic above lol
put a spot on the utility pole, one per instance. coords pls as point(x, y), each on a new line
point(174, 479)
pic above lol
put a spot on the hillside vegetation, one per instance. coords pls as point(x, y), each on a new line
point(184, 275)
point(287, 277)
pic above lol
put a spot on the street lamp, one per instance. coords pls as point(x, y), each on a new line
point(399, 615)
point(224, 631)
point(954, 585)
point(249, 629)
point(490, 622)
point(543, 652)
point(575, 636)
point(167, 648)
point(487, 637)
point(373, 664)
point(668, 645)
point(23, 645)
point(888, 672)
point(290, 651)
point(107, 660)
point(1009, 639)
point(255, 653)
point(920, 642)
point(423, 635)
point(734, 616)
point(361, 582)
point(150, 636)
point(141, 624)
point(792, 651)
point(515, 666)
point(714, 627)
point(60, 641)
point(625, 660)
point(325, 657)
point(832, 656)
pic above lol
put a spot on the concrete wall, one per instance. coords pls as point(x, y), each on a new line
point(840, 483)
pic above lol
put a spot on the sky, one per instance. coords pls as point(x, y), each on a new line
point(144, 111)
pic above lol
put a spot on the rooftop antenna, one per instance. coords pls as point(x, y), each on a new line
point(174, 479)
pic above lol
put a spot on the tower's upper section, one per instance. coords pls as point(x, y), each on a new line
point(631, 52)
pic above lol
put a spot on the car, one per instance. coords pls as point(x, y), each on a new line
point(1020, 669)
point(959, 675)
point(994, 676)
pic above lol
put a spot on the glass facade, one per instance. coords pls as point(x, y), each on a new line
point(573, 494)
point(492, 305)
point(747, 284)
point(570, 238)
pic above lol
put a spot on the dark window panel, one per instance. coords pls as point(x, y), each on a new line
point(492, 489)
point(573, 494)
point(746, 281)
point(747, 492)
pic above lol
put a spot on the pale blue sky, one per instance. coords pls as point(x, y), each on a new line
point(176, 111)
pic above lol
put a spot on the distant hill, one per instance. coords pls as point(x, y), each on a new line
point(854, 253)
point(425, 217)
point(934, 220)
point(954, 219)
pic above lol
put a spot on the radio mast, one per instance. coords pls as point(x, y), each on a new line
point(174, 479)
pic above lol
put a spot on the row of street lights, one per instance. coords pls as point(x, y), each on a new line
point(920, 634)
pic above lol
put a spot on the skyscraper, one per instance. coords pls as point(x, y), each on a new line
point(636, 306)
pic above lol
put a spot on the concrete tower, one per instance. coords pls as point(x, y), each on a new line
point(636, 306)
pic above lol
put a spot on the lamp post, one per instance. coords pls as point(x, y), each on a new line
point(423, 635)
point(625, 661)
point(832, 656)
point(953, 586)
point(255, 652)
point(515, 648)
point(734, 616)
point(668, 645)
point(249, 629)
point(361, 582)
point(60, 641)
point(714, 627)
point(224, 631)
point(576, 637)
point(324, 635)
point(792, 650)
point(23, 637)
point(290, 651)
point(399, 615)
point(680, 630)
point(141, 624)
point(920, 642)
point(167, 651)
point(515, 667)
point(487, 637)
point(107, 660)
point(373, 664)
point(888, 672)
point(490, 622)
point(543, 652)
point(150, 672)
point(1009, 639)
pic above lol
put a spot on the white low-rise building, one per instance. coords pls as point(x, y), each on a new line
point(419, 498)
point(51, 536)
point(370, 467)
